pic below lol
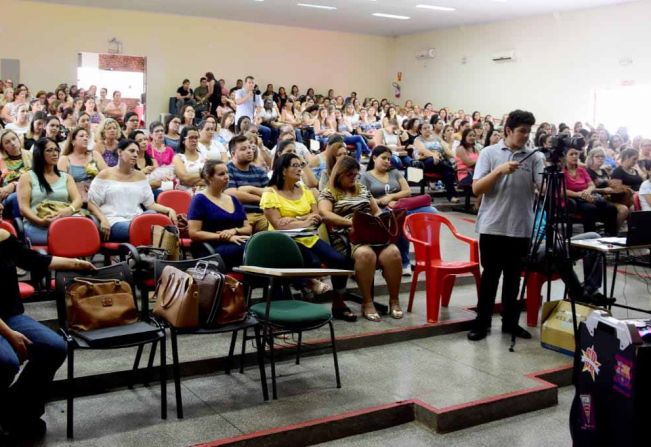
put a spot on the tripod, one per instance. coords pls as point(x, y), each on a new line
point(551, 225)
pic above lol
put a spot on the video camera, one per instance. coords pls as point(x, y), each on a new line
point(560, 145)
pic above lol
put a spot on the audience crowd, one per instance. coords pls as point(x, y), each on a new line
point(256, 160)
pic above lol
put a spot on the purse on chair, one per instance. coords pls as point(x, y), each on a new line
point(377, 230)
point(177, 299)
point(221, 298)
point(166, 238)
point(411, 203)
point(99, 303)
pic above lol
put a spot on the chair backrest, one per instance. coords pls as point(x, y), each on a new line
point(160, 264)
point(272, 249)
point(140, 228)
point(637, 206)
point(427, 228)
point(73, 237)
point(6, 225)
point(63, 279)
point(179, 201)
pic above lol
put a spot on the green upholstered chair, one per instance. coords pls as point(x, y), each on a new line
point(286, 315)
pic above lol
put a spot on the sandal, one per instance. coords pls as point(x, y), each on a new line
point(372, 316)
point(455, 200)
point(344, 313)
point(319, 287)
point(395, 311)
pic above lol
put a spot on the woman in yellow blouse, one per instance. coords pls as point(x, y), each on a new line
point(289, 205)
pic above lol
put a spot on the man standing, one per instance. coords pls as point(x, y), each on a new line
point(507, 181)
point(248, 103)
point(247, 181)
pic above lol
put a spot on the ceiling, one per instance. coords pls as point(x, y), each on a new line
point(353, 15)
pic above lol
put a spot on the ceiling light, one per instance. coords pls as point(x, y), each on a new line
point(437, 8)
point(390, 16)
point(310, 5)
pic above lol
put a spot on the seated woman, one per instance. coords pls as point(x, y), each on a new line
point(337, 203)
point(387, 186)
point(45, 182)
point(626, 171)
point(22, 338)
point(262, 157)
point(466, 157)
point(595, 167)
point(582, 198)
point(288, 205)
point(14, 161)
point(217, 218)
point(172, 135)
point(436, 158)
point(157, 149)
point(108, 134)
point(390, 136)
point(361, 147)
point(289, 147)
point(36, 130)
point(227, 128)
point(189, 162)
point(146, 164)
point(131, 123)
point(83, 165)
point(211, 149)
point(333, 152)
point(118, 194)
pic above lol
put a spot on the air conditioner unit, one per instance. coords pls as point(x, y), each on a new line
point(429, 53)
point(503, 56)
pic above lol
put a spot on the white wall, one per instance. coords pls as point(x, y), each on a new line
point(561, 60)
point(46, 38)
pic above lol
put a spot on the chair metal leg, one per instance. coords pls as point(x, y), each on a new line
point(244, 331)
point(334, 353)
point(163, 379)
point(231, 350)
point(270, 337)
point(70, 391)
point(150, 363)
point(136, 364)
point(177, 375)
point(298, 348)
point(260, 352)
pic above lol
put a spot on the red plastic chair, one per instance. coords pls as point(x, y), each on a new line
point(139, 233)
point(26, 290)
point(637, 206)
point(423, 230)
point(535, 284)
point(73, 237)
point(179, 201)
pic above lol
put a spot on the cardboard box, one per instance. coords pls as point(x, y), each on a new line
point(557, 331)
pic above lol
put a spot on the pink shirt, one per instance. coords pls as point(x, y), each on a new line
point(462, 169)
point(163, 158)
point(578, 183)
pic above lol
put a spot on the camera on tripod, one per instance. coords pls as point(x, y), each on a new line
point(256, 90)
point(560, 145)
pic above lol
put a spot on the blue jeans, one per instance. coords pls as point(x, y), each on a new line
point(10, 203)
point(25, 400)
point(445, 168)
point(36, 235)
point(403, 243)
point(323, 253)
point(401, 161)
point(360, 145)
point(265, 134)
point(231, 253)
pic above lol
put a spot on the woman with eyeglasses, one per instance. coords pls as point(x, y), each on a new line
point(287, 205)
point(46, 182)
point(189, 162)
point(172, 133)
point(208, 146)
point(601, 179)
point(344, 195)
point(131, 123)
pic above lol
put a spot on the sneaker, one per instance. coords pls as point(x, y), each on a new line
point(406, 270)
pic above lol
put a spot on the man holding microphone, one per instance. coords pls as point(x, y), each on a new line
point(507, 178)
point(248, 103)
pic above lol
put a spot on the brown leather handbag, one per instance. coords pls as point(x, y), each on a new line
point(221, 298)
point(377, 230)
point(99, 303)
point(177, 299)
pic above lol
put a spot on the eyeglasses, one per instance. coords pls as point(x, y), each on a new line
point(297, 165)
point(192, 137)
point(52, 150)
